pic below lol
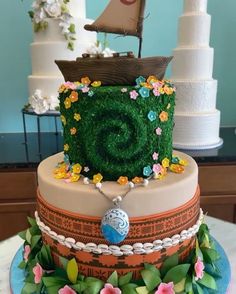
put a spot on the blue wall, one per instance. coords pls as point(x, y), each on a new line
point(160, 38)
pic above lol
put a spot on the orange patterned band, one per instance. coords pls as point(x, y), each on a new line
point(102, 266)
point(142, 229)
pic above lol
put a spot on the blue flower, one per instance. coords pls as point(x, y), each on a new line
point(175, 160)
point(147, 171)
point(66, 159)
point(144, 92)
point(140, 80)
point(90, 93)
point(152, 115)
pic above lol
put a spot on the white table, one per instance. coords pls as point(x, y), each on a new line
point(224, 232)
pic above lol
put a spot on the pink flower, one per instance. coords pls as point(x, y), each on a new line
point(70, 85)
point(66, 290)
point(199, 267)
point(109, 289)
point(38, 273)
point(27, 251)
point(155, 156)
point(133, 94)
point(158, 131)
point(157, 84)
point(156, 92)
point(85, 89)
point(165, 288)
point(157, 168)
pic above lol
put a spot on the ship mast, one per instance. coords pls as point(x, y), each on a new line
point(123, 17)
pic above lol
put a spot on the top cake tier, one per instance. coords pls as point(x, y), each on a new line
point(77, 8)
point(195, 6)
point(118, 131)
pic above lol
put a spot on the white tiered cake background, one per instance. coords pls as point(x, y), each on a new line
point(49, 45)
point(197, 120)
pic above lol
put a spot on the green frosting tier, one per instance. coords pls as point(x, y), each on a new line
point(117, 130)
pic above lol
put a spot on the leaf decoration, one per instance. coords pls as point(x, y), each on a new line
point(93, 285)
point(210, 255)
point(72, 270)
point(177, 273)
point(129, 289)
point(113, 279)
point(152, 268)
point(29, 288)
point(63, 261)
point(150, 279)
point(142, 290)
point(208, 281)
point(169, 263)
point(28, 236)
point(125, 279)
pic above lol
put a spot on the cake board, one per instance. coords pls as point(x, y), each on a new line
point(17, 275)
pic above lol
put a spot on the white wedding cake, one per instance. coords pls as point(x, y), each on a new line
point(197, 120)
point(64, 28)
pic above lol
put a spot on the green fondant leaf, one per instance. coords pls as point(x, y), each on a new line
point(28, 236)
point(208, 281)
point(32, 221)
point(210, 255)
point(169, 263)
point(113, 279)
point(142, 290)
point(63, 262)
point(54, 281)
point(93, 285)
point(177, 273)
point(22, 234)
point(72, 28)
point(152, 268)
point(35, 240)
point(129, 289)
point(150, 279)
point(29, 288)
point(188, 284)
point(72, 270)
point(80, 287)
point(125, 279)
point(22, 265)
point(199, 289)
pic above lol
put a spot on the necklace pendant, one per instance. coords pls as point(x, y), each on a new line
point(115, 225)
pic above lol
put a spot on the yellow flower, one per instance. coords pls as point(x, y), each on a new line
point(85, 81)
point(152, 79)
point(177, 168)
point(66, 147)
point(147, 85)
point(163, 116)
point(168, 90)
point(123, 180)
point(73, 96)
point(97, 178)
point(74, 178)
point(162, 174)
point(168, 106)
point(73, 131)
point(161, 90)
point(96, 84)
point(165, 162)
point(67, 103)
point(77, 117)
point(183, 162)
point(137, 180)
point(60, 175)
point(62, 88)
point(63, 120)
point(77, 84)
point(77, 168)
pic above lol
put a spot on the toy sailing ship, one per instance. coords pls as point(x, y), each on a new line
point(124, 17)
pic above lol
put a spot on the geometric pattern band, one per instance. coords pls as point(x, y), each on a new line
point(146, 229)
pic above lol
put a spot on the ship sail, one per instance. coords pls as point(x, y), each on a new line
point(123, 17)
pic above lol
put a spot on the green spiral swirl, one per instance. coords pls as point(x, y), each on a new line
point(114, 136)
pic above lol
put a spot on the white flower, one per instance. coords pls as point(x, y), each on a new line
point(108, 52)
point(65, 23)
point(39, 15)
point(94, 49)
point(38, 102)
point(53, 10)
point(54, 102)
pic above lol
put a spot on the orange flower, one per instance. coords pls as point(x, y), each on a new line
point(163, 116)
point(85, 81)
point(96, 84)
point(152, 79)
point(97, 178)
point(177, 168)
point(74, 96)
point(67, 103)
point(73, 131)
point(60, 175)
point(123, 180)
point(62, 88)
point(168, 90)
point(147, 85)
point(137, 180)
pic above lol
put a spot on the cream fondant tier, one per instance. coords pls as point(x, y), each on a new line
point(195, 96)
point(164, 218)
point(197, 130)
point(194, 30)
point(159, 196)
point(77, 8)
point(192, 63)
point(195, 6)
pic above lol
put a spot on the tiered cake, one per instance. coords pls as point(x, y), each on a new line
point(197, 120)
point(50, 44)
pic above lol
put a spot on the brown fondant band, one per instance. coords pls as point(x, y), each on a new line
point(144, 229)
point(102, 266)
